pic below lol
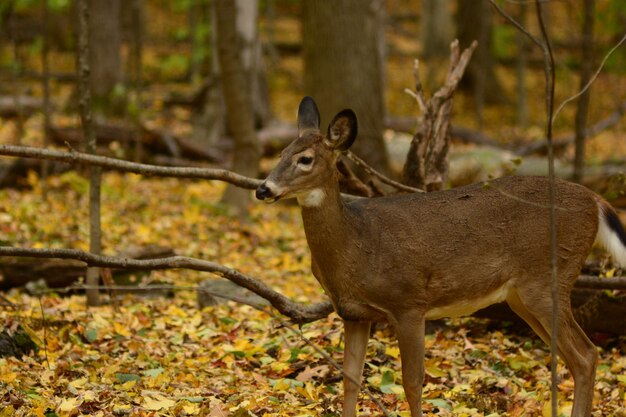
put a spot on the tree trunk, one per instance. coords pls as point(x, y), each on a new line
point(474, 23)
point(236, 82)
point(207, 119)
point(105, 38)
point(583, 101)
point(95, 233)
point(520, 68)
point(343, 68)
point(436, 28)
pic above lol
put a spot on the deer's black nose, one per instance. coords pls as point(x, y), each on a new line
point(263, 192)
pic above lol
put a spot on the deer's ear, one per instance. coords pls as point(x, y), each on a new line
point(342, 130)
point(308, 116)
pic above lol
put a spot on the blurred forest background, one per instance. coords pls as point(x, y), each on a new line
point(158, 87)
point(216, 84)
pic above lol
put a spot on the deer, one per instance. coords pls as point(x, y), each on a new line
point(407, 258)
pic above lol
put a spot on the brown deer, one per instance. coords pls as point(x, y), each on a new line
point(408, 258)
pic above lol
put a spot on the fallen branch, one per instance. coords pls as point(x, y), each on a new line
point(297, 312)
point(75, 157)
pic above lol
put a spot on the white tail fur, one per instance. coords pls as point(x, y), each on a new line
point(611, 234)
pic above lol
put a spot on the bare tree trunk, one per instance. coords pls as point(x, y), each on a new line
point(436, 28)
point(343, 67)
point(208, 125)
point(207, 119)
point(95, 247)
point(436, 34)
point(475, 23)
point(137, 68)
point(247, 24)
point(586, 70)
point(521, 62)
point(105, 38)
point(236, 82)
point(45, 69)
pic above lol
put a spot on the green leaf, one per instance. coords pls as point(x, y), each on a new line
point(91, 335)
point(439, 403)
point(196, 400)
point(122, 378)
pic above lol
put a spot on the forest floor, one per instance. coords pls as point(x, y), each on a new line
point(164, 356)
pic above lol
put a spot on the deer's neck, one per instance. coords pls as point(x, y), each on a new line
point(324, 217)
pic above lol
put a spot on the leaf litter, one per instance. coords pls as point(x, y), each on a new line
point(166, 357)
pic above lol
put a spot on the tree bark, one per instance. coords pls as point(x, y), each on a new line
point(237, 84)
point(586, 70)
point(105, 38)
point(474, 23)
point(343, 68)
point(95, 232)
point(520, 69)
point(436, 25)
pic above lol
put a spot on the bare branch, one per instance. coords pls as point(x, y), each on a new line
point(74, 157)
point(426, 165)
point(418, 94)
point(515, 23)
point(592, 79)
point(380, 176)
point(297, 312)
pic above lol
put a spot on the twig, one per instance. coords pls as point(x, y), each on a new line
point(592, 79)
point(75, 157)
point(6, 302)
point(45, 333)
point(517, 24)
point(384, 179)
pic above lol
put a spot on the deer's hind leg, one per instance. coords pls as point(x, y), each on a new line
point(574, 347)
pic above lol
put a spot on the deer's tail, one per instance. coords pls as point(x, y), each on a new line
point(611, 234)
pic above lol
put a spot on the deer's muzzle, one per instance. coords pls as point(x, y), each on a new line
point(264, 192)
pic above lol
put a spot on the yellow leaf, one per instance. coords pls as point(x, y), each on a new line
point(282, 385)
point(155, 401)
point(128, 385)
point(191, 408)
point(392, 351)
point(547, 409)
point(69, 404)
point(7, 412)
point(121, 329)
point(78, 383)
point(7, 377)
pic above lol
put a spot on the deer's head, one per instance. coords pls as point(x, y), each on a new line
point(307, 166)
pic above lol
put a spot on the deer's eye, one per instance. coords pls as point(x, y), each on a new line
point(305, 160)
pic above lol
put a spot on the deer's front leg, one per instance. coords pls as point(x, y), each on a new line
point(356, 336)
point(410, 328)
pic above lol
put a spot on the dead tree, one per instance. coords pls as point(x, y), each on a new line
point(426, 165)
